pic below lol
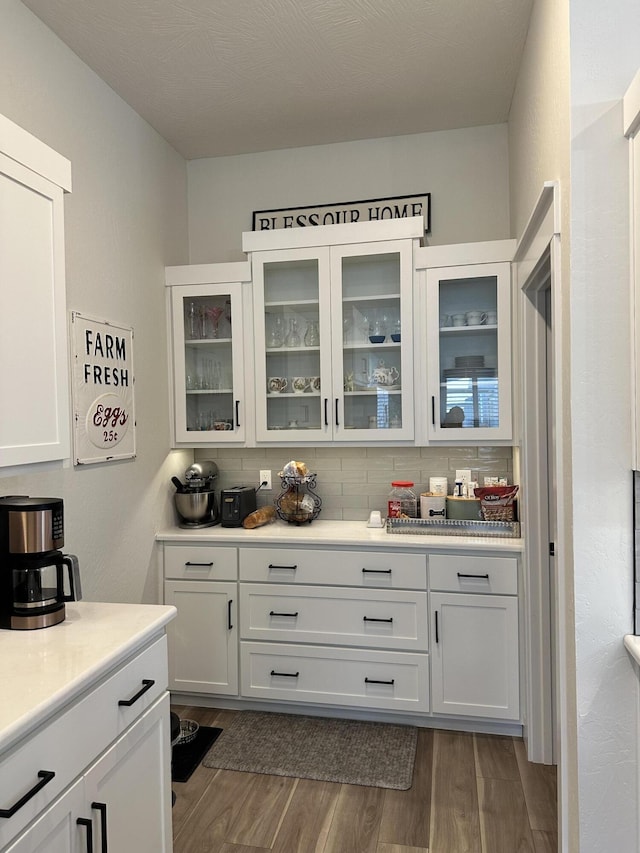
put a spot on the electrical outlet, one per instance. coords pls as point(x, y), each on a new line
point(265, 476)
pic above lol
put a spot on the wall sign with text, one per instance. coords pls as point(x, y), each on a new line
point(344, 213)
point(103, 405)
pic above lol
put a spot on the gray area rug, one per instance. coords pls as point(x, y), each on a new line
point(379, 755)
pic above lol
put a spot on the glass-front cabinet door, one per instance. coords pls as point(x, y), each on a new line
point(373, 341)
point(208, 363)
point(333, 325)
point(469, 352)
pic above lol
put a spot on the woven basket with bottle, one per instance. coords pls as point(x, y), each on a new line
point(497, 502)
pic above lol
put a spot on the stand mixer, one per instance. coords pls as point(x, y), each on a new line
point(196, 501)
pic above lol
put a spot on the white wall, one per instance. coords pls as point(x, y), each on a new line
point(604, 58)
point(601, 745)
point(466, 171)
point(125, 220)
point(539, 151)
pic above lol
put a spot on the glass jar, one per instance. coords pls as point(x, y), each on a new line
point(402, 501)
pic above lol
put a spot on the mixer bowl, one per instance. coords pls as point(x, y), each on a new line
point(196, 507)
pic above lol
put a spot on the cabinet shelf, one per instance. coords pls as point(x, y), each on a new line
point(461, 330)
point(206, 341)
point(196, 391)
point(283, 349)
point(290, 303)
point(373, 347)
point(302, 396)
point(372, 298)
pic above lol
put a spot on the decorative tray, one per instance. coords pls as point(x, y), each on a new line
point(453, 527)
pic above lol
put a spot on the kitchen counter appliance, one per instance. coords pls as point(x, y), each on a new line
point(32, 568)
point(195, 501)
point(237, 503)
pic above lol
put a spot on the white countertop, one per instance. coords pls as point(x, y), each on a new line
point(42, 670)
point(329, 533)
point(632, 645)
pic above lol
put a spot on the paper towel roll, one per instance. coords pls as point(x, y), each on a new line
point(438, 485)
point(433, 506)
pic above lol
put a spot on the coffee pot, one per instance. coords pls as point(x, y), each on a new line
point(34, 573)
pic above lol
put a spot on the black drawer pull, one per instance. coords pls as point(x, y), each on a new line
point(200, 565)
point(275, 613)
point(88, 824)
point(45, 776)
point(375, 681)
point(229, 625)
point(147, 684)
point(460, 575)
point(285, 674)
point(276, 566)
point(102, 808)
point(238, 413)
point(376, 571)
point(373, 619)
point(437, 637)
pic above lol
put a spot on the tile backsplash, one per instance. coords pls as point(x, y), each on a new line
point(354, 480)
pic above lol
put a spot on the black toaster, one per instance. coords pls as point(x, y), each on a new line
point(236, 504)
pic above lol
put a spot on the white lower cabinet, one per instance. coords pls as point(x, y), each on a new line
point(122, 801)
point(364, 629)
point(201, 582)
point(474, 635)
point(203, 638)
point(97, 777)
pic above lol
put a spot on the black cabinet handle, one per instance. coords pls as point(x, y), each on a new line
point(437, 638)
point(276, 566)
point(461, 575)
point(200, 565)
point(373, 619)
point(229, 625)
point(285, 674)
point(102, 808)
point(88, 824)
point(45, 777)
point(433, 411)
point(376, 681)
point(337, 419)
point(237, 413)
point(376, 571)
point(275, 613)
point(326, 411)
point(147, 684)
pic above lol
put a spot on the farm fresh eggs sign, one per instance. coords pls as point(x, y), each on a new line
point(103, 408)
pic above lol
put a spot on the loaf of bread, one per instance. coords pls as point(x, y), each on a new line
point(261, 516)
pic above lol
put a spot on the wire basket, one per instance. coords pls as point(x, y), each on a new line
point(498, 513)
point(298, 502)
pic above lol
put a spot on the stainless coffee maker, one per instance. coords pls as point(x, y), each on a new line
point(33, 570)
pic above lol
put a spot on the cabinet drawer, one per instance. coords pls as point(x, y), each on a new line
point(351, 677)
point(200, 562)
point(67, 744)
point(450, 573)
point(343, 568)
point(387, 619)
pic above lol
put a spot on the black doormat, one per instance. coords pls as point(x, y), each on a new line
point(185, 757)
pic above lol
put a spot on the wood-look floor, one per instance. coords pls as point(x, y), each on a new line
point(470, 794)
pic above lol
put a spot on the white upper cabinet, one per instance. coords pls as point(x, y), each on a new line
point(334, 332)
point(209, 332)
point(34, 380)
point(465, 352)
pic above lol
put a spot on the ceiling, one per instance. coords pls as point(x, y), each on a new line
point(220, 77)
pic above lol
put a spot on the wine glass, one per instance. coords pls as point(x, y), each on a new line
point(214, 313)
point(276, 336)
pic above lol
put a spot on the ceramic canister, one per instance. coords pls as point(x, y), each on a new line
point(433, 506)
point(464, 509)
point(438, 486)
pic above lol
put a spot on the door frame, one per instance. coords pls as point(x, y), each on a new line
point(536, 264)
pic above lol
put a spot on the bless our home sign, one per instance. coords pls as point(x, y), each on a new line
point(341, 213)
